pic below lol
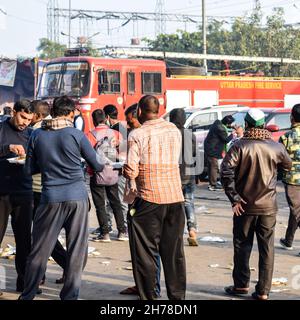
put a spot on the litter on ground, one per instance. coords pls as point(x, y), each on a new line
point(8, 252)
point(203, 209)
point(214, 265)
point(279, 290)
point(212, 239)
point(92, 252)
point(279, 281)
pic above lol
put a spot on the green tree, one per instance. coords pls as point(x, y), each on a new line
point(249, 35)
point(49, 50)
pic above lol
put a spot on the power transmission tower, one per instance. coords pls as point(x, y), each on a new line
point(59, 17)
point(53, 20)
point(256, 4)
point(160, 24)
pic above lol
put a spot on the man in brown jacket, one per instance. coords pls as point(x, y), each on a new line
point(249, 177)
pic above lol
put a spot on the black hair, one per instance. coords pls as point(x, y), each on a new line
point(296, 112)
point(24, 105)
point(132, 110)
point(63, 106)
point(7, 111)
point(98, 117)
point(41, 107)
point(149, 104)
point(178, 117)
point(227, 120)
point(111, 111)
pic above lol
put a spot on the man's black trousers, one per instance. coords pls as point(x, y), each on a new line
point(244, 228)
point(157, 229)
point(19, 207)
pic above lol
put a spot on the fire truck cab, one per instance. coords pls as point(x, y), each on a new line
point(96, 82)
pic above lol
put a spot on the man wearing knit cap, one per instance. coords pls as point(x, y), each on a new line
point(249, 177)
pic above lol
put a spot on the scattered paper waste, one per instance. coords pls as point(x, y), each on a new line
point(8, 252)
point(214, 265)
point(128, 268)
point(279, 281)
point(279, 290)
point(92, 252)
point(228, 267)
point(106, 263)
point(212, 239)
point(203, 209)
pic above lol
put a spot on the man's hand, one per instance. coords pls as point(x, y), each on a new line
point(132, 186)
point(17, 149)
point(238, 208)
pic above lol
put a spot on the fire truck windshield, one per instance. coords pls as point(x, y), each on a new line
point(70, 78)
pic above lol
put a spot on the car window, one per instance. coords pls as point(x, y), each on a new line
point(203, 121)
point(282, 120)
point(239, 118)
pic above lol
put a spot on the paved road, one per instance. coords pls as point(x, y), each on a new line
point(208, 265)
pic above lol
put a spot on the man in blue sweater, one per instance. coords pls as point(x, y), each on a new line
point(16, 199)
point(56, 150)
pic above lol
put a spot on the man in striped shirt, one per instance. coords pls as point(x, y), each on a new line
point(156, 217)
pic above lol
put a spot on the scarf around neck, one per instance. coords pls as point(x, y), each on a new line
point(57, 124)
point(257, 134)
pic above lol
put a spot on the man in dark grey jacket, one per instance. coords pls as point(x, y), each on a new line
point(249, 177)
point(55, 151)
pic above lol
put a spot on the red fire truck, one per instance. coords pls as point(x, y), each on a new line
point(96, 82)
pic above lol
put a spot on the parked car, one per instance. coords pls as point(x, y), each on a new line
point(199, 120)
point(277, 120)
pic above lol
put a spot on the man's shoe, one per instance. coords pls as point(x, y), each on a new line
point(96, 231)
point(122, 236)
point(38, 291)
point(256, 296)
point(212, 188)
point(285, 245)
point(60, 280)
point(233, 291)
point(102, 238)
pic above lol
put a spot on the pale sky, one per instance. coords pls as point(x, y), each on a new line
point(26, 21)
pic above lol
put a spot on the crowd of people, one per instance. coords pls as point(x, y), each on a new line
point(143, 170)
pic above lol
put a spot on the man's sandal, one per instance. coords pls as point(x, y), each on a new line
point(192, 242)
point(233, 291)
point(130, 291)
point(256, 296)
